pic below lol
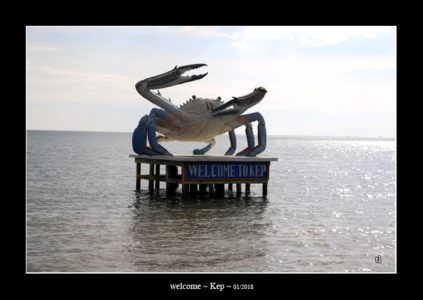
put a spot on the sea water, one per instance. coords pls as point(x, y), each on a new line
point(331, 207)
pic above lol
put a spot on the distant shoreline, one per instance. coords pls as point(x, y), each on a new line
point(270, 135)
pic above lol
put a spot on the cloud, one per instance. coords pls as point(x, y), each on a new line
point(241, 44)
point(303, 36)
point(67, 74)
point(308, 84)
point(237, 36)
point(51, 85)
point(42, 49)
point(311, 36)
point(196, 31)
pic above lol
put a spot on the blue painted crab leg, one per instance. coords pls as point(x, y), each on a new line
point(205, 149)
point(139, 138)
point(261, 132)
point(232, 139)
point(261, 141)
point(250, 140)
point(156, 115)
point(247, 120)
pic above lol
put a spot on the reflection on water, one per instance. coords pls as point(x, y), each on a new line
point(196, 233)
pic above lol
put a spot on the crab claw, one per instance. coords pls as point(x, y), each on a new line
point(240, 104)
point(183, 69)
point(227, 108)
point(171, 78)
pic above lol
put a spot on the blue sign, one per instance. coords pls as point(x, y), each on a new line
point(223, 170)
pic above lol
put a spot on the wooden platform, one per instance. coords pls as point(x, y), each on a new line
point(204, 172)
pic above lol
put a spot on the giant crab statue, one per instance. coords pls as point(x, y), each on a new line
point(199, 119)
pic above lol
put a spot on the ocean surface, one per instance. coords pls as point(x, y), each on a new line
point(331, 207)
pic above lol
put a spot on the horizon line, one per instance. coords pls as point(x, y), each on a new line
point(277, 135)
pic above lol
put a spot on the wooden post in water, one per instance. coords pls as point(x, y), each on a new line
point(157, 179)
point(229, 186)
point(138, 178)
point(202, 188)
point(247, 188)
point(220, 189)
point(238, 189)
point(193, 188)
point(264, 189)
point(185, 189)
point(151, 181)
point(171, 175)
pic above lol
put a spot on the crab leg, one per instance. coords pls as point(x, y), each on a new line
point(205, 149)
point(156, 114)
point(262, 135)
point(261, 141)
point(246, 120)
point(250, 140)
point(139, 138)
point(232, 138)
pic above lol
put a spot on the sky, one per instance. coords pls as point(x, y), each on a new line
point(321, 80)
